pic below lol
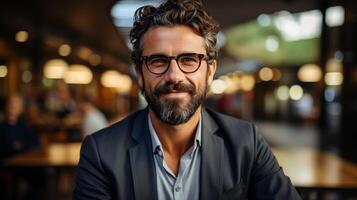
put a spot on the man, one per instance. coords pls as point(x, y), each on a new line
point(15, 135)
point(177, 149)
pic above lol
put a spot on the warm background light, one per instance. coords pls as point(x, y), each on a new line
point(334, 65)
point(3, 71)
point(110, 78)
point(231, 86)
point(310, 73)
point(333, 78)
point(296, 92)
point(94, 59)
point(282, 93)
point(114, 79)
point(266, 74)
point(218, 86)
point(247, 82)
point(277, 74)
point(64, 50)
point(78, 74)
point(55, 68)
point(84, 53)
point(21, 36)
point(125, 84)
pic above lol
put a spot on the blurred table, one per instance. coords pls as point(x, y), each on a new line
point(56, 161)
point(317, 171)
point(306, 167)
point(309, 169)
point(52, 155)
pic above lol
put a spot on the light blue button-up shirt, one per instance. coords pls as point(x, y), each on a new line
point(186, 185)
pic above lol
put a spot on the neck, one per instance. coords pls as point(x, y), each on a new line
point(176, 139)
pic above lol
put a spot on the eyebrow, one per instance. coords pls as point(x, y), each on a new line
point(162, 54)
point(157, 54)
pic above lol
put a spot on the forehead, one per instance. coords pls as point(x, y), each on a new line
point(172, 40)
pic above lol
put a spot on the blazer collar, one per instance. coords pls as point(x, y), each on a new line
point(141, 159)
point(212, 159)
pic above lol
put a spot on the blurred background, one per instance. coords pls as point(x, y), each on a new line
point(288, 65)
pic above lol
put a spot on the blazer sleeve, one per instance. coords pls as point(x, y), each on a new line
point(92, 181)
point(268, 180)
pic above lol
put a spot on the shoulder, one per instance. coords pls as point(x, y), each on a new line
point(117, 132)
point(111, 143)
point(239, 134)
point(232, 125)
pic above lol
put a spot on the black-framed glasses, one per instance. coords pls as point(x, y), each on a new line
point(187, 62)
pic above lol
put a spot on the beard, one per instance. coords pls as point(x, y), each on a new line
point(173, 111)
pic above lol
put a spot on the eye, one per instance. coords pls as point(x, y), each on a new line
point(189, 60)
point(157, 61)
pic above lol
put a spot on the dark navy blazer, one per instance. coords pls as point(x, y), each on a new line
point(117, 162)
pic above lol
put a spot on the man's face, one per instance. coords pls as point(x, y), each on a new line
point(174, 96)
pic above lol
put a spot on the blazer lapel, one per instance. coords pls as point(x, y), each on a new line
point(141, 160)
point(212, 159)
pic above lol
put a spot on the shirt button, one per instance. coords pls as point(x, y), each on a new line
point(178, 189)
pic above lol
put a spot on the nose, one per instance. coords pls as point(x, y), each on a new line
point(174, 73)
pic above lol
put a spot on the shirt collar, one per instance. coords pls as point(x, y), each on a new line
point(156, 144)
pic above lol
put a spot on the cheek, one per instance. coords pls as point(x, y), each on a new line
point(201, 78)
point(149, 82)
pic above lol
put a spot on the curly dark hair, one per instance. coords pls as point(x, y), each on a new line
point(174, 12)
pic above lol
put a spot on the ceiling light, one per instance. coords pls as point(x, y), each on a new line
point(335, 16)
point(55, 68)
point(78, 74)
point(310, 73)
point(299, 26)
point(266, 74)
point(64, 50)
point(94, 59)
point(247, 82)
point(21, 36)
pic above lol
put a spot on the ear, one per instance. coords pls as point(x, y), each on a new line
point(211, 71)
point(140, 77)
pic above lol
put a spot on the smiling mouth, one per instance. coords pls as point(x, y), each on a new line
point(174, 94)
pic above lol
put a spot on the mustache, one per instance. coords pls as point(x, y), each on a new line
point(179, 87)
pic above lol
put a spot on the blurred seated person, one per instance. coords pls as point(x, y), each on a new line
point(63, 106)
point(61, 101)
point(93, 118)
point(34, 107)
point(15, 134)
